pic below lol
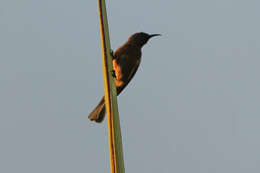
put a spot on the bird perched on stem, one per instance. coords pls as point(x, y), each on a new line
point(126, 60)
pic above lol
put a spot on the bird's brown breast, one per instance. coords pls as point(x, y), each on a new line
point(118, 72)
point(125, 64)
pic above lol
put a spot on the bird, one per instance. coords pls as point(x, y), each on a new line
point(126, 60)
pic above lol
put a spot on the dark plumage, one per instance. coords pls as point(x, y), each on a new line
point(126, 60)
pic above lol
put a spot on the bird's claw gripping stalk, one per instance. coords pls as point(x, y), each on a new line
point(112, 54)
point(113, 73)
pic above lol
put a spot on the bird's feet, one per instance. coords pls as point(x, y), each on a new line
point(113, 73)
point(112, 54)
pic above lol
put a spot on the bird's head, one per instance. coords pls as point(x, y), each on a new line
point(141, 38)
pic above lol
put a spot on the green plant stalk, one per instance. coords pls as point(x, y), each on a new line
point(114, 132)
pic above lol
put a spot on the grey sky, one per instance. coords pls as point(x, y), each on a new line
point(193, 105)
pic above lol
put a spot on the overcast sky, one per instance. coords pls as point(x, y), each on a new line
point(193, 106)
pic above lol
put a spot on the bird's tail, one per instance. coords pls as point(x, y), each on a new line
point(98, 114)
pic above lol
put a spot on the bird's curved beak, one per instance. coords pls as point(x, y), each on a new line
point(154, 35)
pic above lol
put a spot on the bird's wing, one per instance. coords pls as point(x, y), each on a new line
point(131, 75)
point(133, 71)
